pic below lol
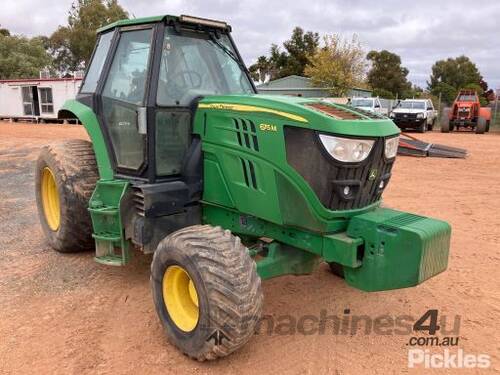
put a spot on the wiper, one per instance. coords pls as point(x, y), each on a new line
point(228, 52)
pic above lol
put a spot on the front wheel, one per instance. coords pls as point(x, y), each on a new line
point(431, 126)
point(423, 126)
point(206, 291)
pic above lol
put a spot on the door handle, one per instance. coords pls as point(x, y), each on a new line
point(142, 123)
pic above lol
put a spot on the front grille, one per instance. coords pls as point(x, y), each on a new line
point(328, 177)
point(406, 116)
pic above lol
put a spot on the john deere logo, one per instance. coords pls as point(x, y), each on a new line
point(373, 174)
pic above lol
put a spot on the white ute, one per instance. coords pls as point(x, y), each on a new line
point(418, 114)
point(369, 104)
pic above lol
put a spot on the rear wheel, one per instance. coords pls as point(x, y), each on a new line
point(206, 291)
point(445, 121)
point(66, 175)
point(481, 125)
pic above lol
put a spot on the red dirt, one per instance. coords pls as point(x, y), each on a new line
point(65, 314)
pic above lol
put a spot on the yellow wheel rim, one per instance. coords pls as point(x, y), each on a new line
point(180, 298)
point(50, 199)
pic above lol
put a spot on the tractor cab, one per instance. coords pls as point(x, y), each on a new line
point(148, 77)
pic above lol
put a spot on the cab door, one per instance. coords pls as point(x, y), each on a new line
point(123, 98)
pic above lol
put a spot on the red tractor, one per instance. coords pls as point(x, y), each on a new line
point(466, 112)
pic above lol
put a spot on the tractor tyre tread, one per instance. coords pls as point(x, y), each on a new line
point(445, 121)
point(231, 284)
point(481, 125)
point(74, 167)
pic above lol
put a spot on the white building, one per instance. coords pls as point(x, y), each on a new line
point(35, 99)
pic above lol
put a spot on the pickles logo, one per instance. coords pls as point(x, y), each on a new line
point(373, 174)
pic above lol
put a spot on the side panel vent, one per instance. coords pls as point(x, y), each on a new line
point(249, 173)
point(138, 198)
point(246, 134)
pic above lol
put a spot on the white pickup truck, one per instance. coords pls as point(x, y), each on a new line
point(418, 114)
point(369, 104)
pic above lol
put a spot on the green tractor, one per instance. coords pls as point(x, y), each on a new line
point(224, 186)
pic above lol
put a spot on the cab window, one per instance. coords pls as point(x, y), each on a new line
point(124, 93)
point(95, 68)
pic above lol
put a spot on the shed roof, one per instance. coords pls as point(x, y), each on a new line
point(295, 82)
point(25, 80)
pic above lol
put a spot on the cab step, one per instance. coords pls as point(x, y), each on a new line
point(111, 246)
point(110, 260)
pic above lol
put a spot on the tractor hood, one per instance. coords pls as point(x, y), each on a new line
point(302, 112)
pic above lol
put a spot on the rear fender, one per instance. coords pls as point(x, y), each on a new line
point(75, 109)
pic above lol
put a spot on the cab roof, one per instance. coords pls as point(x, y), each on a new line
point(185, 19)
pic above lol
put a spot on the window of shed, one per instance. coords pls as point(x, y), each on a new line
point(46, 101)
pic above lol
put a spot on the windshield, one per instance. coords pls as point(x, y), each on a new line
point(408, 104)
point(467, 98)
point(362, 102)
point(193, 64)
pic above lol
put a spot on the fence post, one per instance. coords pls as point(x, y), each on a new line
point(496, 107)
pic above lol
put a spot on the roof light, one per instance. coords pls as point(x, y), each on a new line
point(203, 21)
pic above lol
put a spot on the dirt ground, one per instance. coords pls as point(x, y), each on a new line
point(66, 314)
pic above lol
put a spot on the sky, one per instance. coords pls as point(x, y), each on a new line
point(421, 32)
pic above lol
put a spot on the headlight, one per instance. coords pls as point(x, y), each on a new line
point(391, 147)
point(346, 149)
point(420, 115)
point(392, 115)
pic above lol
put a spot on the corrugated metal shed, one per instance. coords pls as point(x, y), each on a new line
point(301, 86)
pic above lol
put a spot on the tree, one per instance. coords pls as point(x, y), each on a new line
point(4, 32)
point(299, 47)
point(291, 60)
point(71, 46)
point(21, 57)
point(386, 74)
point(261, 70)
point(488, 94)
point(448, 92)
point(450, 75)
point(338, 65)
